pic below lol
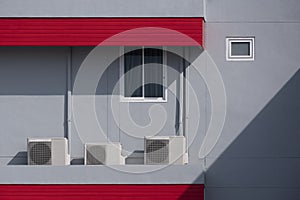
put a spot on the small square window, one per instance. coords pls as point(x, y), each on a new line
point(240, 49)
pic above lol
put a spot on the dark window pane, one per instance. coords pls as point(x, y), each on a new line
point(153, 90)
point(240, 48)
point(153, 69)
point(153, 55)
point(133, 74)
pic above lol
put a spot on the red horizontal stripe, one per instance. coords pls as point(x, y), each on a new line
point(104, 192)
point(170, 19)
point(195, 29)
point(92, 31)
point(87, 35)
point(83, 30)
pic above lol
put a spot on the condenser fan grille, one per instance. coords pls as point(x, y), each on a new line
point(40, 153)
point(157, 151)
point(95, 155)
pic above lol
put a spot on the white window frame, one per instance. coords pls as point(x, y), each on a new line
point(143, 99)
point(230, 57)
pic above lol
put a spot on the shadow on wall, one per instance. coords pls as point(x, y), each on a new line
point(18, 65)
point(174, 62)
point(77, 161)
point(263, 161)
point(19, 159)
point(195, 191)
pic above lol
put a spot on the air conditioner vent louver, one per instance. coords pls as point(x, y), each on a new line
point(164, 150)
point(103, 154)
point(157, 151)
point(40, 153)
point(95, 155)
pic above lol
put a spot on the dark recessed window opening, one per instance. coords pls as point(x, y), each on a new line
point(240, 48)
point(144, 73)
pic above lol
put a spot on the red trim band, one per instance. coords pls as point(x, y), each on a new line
point(92, 31)
point(103, 192)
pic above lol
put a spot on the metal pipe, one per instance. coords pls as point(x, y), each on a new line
point(69, 96)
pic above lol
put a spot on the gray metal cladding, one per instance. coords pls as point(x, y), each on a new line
point(101, 8)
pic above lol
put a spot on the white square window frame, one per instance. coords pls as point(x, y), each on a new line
point(230, 57)
point(143, 99)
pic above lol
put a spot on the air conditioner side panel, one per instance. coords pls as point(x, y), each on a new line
point(113, 154)
point(60, 154)
point(177, 152)
point(28, 152)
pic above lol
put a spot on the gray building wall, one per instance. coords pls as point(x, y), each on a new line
point(101, 8)
point(257, 156)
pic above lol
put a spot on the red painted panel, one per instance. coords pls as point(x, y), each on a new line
point(92, 31)
point(103, 192)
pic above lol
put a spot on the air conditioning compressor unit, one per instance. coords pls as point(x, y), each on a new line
point(103, 154)
point(48, 151)
point(165, 150)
